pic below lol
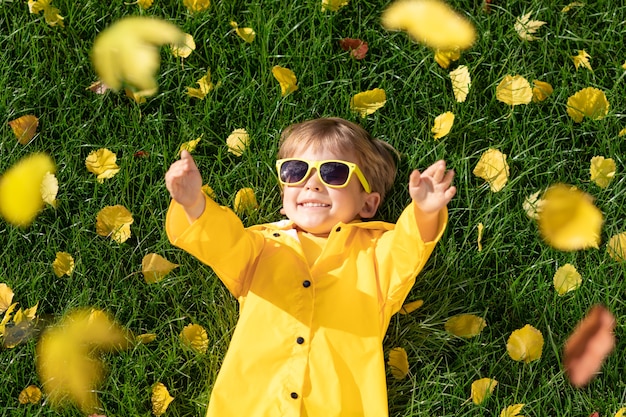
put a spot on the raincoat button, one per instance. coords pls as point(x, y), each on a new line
point(300, 340)
point(306, 283)
point(276, 234)
point(338, 229)
point(294, 395)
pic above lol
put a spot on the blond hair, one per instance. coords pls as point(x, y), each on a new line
point(376, 158)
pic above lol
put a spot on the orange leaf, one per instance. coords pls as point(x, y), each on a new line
point(24, 128)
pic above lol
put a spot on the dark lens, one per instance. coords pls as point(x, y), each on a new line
point(334, 173)
point(293, 171)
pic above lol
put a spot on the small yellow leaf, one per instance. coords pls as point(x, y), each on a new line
point(532, 205)
point(541, 90)
point(568, 219)
point(245, 201)
point(621, 412)
point(145, 4)
point(461, 83)
point(20, 189)
point(571, 6)
point(208, 191)
point(582, 59)
point(512, 411)
point(205, 84)
point(465, 325)
point(616, 248)
point(195, 337)
point(63, 264)
point(368, 101)
point(31, 394)
point(411, 307)
point(514, 90)
point(481, 389)
point(398, 362)
point(493, 168)
point(238, 141)
point(566, 279)
point(286, 78)
point(28, 314)
point(6, 297)
point(145, 338)
point(480, 227)
point(49, 189)
point(247, 34)
point(333, 5)
point(24, 128)
point(161, 399)
point(430, 22)
point(525, 27)
point(525, 344)
point(138, 97)
point(443, 125)
point(445, 57)
point(184, 48)
point(155, 267)
point(8, 314)
point(602, 171)
point(189, 146)
point(114, 221)
point(622, 132)
point(197, 5)
point(102, 163)
point(51, 14)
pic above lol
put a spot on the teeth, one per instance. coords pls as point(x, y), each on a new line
point(314, 205)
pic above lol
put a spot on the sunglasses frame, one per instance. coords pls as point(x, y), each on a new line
point(352, 169)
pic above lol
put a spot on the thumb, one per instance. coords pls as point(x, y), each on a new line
point(185, 155)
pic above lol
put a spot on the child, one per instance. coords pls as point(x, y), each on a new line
point(316, 291)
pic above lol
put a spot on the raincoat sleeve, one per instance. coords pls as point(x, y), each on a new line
point(218, 239)
point(401, 254)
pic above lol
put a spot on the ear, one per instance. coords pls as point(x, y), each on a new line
point(370, 205)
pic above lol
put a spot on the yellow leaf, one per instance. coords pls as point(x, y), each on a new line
point(622, 132)
point(582, 59)
point(443, 124)
point(445, 57)
point(541, 90)
point(189, 146)
point(102, 163)
point(6, 297)
point(184, 49)
point(114, 221)
point(624, 65)
point(602, 171)
point(286, 78)
point(481, 389)
point(461, 83)
point(145, 4)
point(155, 267)
point(145, 338)
point(247, 34)
point(161, 399)
point(205, 84)
point(139, 97)
point(566, 279)
point(24, 128)
point(333, 5)
point(568, 219)
point(63, 264)
point(480, 227)
point(430, 22)
point(526, 27)
point(398, 362)
point(512, 411)
point(465, 325)
point(195, 337)
point(50, 13)
point(25, 315)
point(525, 344)
point(514, 90)
point(20, 189)
point(49, 189)
point(238, 141)
point(7, 317)
point(127, 52)
point(571, 6)
point(616, 248)
point(621, 412)
point(368, 101)
point(493, 168)
point(411, 307)
point(208, 191)
point(245, 201)
point(532, 205)
point(197, 5)
point(31, 394)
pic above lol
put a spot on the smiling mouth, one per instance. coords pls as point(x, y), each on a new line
point(314, 205)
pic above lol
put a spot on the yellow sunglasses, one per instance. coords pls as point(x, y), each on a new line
point(333, 173)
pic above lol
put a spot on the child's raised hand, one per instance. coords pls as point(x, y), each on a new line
point(432, 189)
point(184, 182)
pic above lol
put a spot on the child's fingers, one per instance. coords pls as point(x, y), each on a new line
point(415, 178)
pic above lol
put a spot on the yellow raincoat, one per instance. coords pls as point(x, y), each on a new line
point(309, 339)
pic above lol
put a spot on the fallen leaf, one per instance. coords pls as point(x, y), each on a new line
point(189, 146)
point(357, 47)
point(411, 307)
point(63, 264)
point(616, 248)
point(525, 344)
point(465, 325)
point(622, 132)
point(138, 97)
point(398, 363)
point(571, 6)
point(195, 337)
point(114, 222)
point(582, 59)
point(532, 205)
point(145, 338)
point(238, 141)
point(368, 101)
point(24, 128)
point(49, 189)
point(588, 346)
point(98, 87)
point(154, 268)
point(8, 314)
point(208, 191)
point(205, 84)
point(541, 91)
point(568, 219)
point(430, 22)
point(245, 201)
point(566, 279)
point(512, 411)
point(525, 27)
point(20, 189)
point(445, 57)
point(443, 124)
point(50, 13)
point(31, 394)
point(6, 297)
point(145, 4)
point(514, 90)
point(589, 102)
point(602, 171)
point(621, 412)
point(481, 389)
point(493, 168)
point(197, 5)
point(102, 163)
point(480, 228)
point(461, 83)
point(185, 48)
point(161, 399)
point(333, 5)
point(286, 78)
point(247, 34)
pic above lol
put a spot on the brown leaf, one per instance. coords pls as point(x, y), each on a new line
point(24, 128)
point(357, 47)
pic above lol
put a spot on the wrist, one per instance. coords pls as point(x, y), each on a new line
point(195, 209)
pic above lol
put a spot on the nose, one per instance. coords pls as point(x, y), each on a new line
point(313, 182)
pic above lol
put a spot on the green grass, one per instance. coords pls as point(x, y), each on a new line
point(45, 71)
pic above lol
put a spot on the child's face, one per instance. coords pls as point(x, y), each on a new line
point(316, 208)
